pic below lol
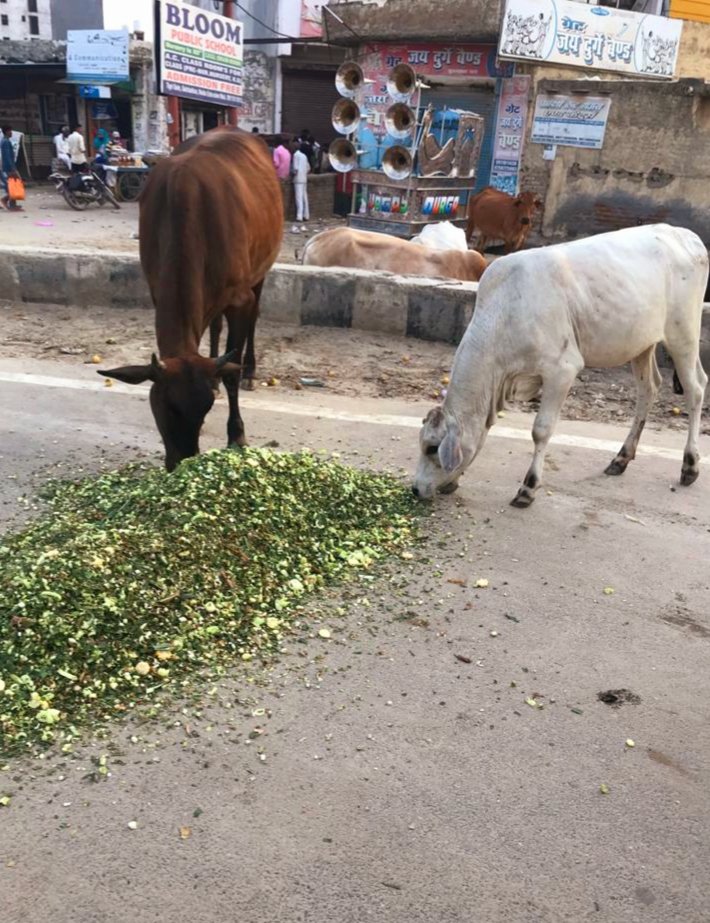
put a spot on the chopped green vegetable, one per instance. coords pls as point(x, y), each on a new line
point(139, 579)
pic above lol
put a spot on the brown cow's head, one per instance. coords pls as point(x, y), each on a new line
point(180, 397)
point(526, 203)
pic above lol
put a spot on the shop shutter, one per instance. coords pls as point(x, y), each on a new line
point(483, 101)
point(307, 99)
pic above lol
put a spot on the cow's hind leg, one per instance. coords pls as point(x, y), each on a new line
point(215, 333)
point(694, 380)
point(648, 381)
point(249, 355)
point(238, 318)
point(555, 388)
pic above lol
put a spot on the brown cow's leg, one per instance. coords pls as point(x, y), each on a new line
point(481, 244)
point(215, 333)
point(249, 356)
point(239, 323)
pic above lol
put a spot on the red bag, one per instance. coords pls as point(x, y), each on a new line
point(15, 189)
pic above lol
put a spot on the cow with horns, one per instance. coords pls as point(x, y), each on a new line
point(211, 223)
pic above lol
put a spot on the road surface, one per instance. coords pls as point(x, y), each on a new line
point(401, 784)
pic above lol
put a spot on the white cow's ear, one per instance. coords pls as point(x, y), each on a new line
point(450, 450)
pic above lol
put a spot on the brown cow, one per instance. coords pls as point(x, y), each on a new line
point(499, 216)
point(210, 228)
point(369, 250)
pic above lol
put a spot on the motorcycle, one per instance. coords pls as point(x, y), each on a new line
point(80, 190)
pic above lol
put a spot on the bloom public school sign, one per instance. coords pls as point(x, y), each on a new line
point(199, 54)
point(565, 32)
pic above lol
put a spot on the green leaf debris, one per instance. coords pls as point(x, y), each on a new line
point(137, 580)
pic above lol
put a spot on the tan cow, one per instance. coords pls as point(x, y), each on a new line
point(369, 250)
point(499, 216)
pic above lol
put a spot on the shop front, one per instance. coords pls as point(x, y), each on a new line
point(465, 77)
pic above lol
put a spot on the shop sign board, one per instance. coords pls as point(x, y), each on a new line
point(510, 133)
point(199, 54)
point(97, 55)
point(428, 60)
point(598, 37)
point(572, 121)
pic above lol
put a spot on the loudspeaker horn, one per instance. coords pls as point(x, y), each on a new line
point(342, 155)
point(397, 162)
point(400, 120)
point(345, 116)
point(401, 83)
point(349, 79)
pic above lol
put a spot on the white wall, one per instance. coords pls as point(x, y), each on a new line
point(16, 11)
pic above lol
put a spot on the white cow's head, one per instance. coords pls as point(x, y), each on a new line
point(446, 451)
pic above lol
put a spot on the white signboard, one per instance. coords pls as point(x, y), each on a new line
point(97, 56)
point(199, 54)
point(573, 121)
point(565, 32)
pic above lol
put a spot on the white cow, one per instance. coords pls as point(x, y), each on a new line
point(543, 315)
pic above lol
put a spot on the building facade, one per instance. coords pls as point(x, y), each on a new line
point(25, 19)
point(75, 14)
point(649, 161)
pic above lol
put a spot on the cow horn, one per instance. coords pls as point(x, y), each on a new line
point(232, 356)
point(157, 364)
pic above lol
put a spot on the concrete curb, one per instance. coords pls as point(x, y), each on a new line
point(377, 302)
point(428, 309)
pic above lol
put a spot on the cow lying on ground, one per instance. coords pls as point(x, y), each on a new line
point(206, 243)
point(368, 250)
point(499, 216)
point(543, 315)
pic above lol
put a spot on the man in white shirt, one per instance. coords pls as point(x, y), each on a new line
point(301, 168)
point(77, 150)
point(61, 146)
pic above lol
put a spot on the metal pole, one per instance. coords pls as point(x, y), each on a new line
point(228, 10)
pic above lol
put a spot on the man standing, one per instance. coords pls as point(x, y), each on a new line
point(282, 159)
point(8, 167)
point(61, 146)
point(77, 150)
point(301, 169)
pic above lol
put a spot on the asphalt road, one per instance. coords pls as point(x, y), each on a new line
point(399, 783)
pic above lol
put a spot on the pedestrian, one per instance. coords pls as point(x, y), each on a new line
point(77, 150)
point(101, 141)
point(61, 146)
point(8, 167)
point(301, 169)
point(282, 158)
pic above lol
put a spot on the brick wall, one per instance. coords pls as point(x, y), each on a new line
point(654, 165)
point(321, 196)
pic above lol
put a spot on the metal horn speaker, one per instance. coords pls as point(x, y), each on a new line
point(400, 120)
point(345, 116)
point(349, 79)
point(342, 155)
point(401, 83)
point(397, 162)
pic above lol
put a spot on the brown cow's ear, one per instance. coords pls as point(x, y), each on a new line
point(131, 374)
point(229, 368)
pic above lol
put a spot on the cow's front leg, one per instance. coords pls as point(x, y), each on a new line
point(555, 388)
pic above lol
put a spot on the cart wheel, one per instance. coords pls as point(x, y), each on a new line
point(129, 186)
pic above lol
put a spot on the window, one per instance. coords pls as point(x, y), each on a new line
point(4, 20)
point(34, 25)
point(31, 6)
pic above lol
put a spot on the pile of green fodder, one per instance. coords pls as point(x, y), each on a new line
point(135, 581)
